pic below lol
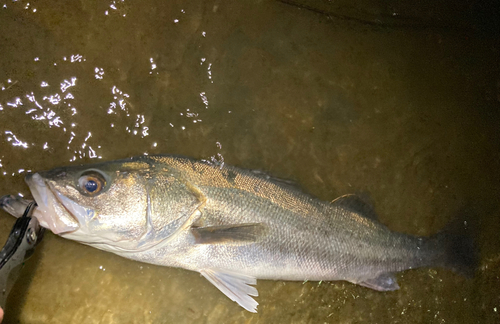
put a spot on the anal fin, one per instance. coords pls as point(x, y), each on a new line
point(235, 286)
point(383, 282)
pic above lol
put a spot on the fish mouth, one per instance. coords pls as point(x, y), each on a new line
point(54, 209)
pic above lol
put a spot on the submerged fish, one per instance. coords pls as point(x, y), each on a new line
point(232, 225)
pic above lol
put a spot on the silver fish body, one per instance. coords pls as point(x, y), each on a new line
point(232, 225)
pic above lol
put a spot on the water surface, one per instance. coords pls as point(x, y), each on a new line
point(406, 111)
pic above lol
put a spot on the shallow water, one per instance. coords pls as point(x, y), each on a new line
point(406, 113)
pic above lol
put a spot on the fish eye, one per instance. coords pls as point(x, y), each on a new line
point(91, 183)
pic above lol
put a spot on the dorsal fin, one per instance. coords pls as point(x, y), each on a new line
point(280, 181)
point(356, 204)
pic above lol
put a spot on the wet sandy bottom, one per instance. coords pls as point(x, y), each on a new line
point(407, 115)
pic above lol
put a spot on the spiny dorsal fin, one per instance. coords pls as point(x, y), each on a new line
point(279, 181)
point(356, 204)
point(236, 234)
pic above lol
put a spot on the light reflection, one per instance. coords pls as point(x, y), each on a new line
point(139, 121)
point(71, 138)
point(192, 115)
point(17, 102)
point(47, 113)
point(116, 6)
point(204, 99)
point(31, 97)
point(76, 58)
point(15, 141)
point(99, 73)
point(54, 110)
point(217, 159)
point(53, 99)
point(153, 66)
point(121, 101)
point(68, 84)
point(40, 112)
point(111, 109)
point(56, 122)
point(209, 71)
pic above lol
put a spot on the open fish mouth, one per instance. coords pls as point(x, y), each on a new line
point(55, 211)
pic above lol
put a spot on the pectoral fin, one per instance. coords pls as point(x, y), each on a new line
point(235, 286)
point(238, 234)
point(383, 282)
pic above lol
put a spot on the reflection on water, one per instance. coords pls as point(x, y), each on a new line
point(409, 115)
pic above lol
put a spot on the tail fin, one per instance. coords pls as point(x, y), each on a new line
point(459, 253)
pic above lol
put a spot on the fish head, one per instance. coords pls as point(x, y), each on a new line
point(104, 205)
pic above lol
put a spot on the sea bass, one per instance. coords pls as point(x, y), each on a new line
point(231, 225)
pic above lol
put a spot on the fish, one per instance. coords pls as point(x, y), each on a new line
point(232, 225)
